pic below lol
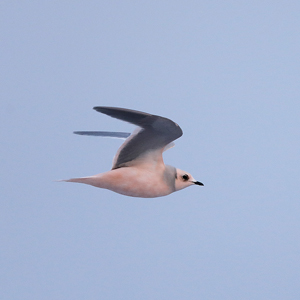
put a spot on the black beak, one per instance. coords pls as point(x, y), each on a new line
point(198, 183)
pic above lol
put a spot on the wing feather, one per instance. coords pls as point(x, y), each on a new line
point(120, 135)
point(154, 135)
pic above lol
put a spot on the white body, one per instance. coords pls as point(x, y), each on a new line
point(138, 167)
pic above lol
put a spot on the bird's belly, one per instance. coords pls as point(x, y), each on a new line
point(136, 183)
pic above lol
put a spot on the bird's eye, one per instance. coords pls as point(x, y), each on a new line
point(185, 177)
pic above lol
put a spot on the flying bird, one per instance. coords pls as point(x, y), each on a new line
point(138, 168)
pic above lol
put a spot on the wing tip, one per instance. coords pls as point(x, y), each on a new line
point(102, 109)
point(78, 132)
point(112, 134)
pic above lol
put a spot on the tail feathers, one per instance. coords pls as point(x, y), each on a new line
point(91, 180)
point(80, 180)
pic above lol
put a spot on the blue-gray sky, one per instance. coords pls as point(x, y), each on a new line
point(228, 72)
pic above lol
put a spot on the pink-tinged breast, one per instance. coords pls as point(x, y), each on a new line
point(132, 181)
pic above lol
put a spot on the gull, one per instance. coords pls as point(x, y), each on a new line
point(138, 168)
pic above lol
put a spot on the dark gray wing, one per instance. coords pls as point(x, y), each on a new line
point(156, 132)
point(122, 135)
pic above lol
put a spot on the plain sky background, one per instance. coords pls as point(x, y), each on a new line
point(228, 72)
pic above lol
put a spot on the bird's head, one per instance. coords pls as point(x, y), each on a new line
point(184, 179)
